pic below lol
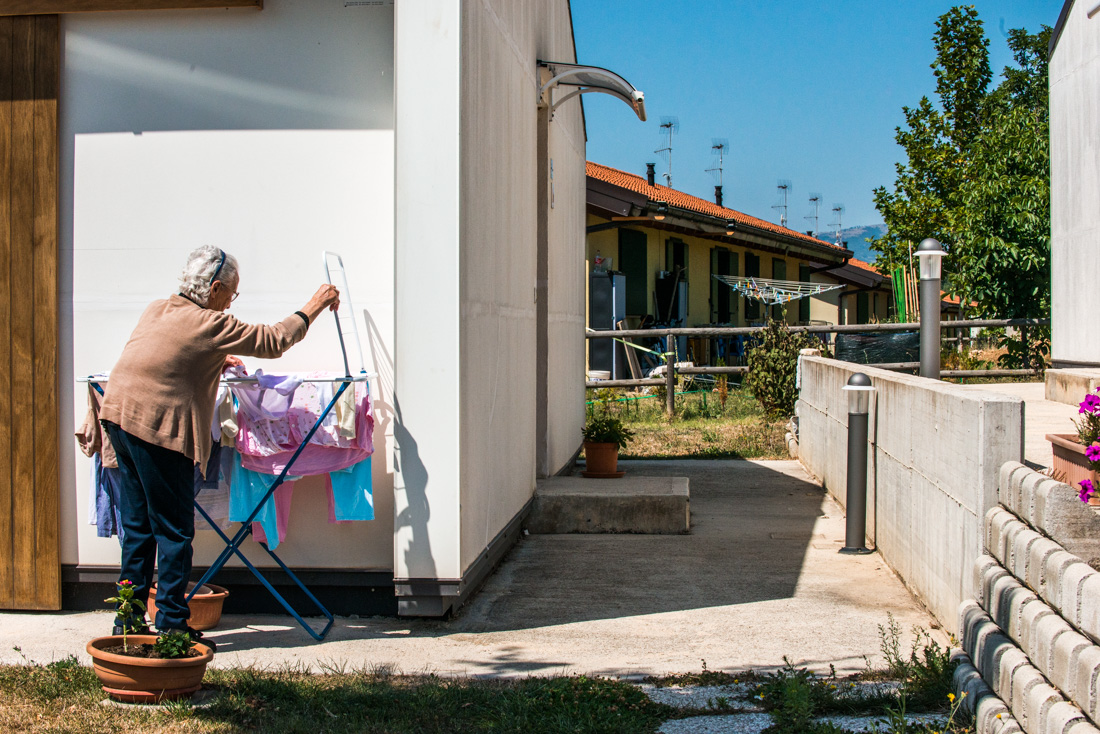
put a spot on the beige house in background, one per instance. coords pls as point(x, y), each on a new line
point(647, 229)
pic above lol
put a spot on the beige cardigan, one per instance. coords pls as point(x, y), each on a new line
point(165, 383)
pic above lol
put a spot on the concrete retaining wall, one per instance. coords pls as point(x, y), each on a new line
point(933, 462)
point(1030, 660)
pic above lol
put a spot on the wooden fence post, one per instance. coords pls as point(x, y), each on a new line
point(670, 385)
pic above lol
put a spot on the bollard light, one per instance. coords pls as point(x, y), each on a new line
point(859, 389)
point(931, 254)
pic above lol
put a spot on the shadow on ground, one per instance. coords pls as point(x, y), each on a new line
point(751, 527)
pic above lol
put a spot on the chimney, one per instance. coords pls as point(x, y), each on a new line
point(651, 173)
point(718, 195)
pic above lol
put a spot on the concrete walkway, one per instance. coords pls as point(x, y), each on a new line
point(1041, 416)
point(758, 579)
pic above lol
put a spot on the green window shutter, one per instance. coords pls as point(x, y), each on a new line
point(720, 292)
point(633, 264)
point(804, 303)
point(862, 308)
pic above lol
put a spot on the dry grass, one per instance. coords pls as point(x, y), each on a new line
point(704, 427)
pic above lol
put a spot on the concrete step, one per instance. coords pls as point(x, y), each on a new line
point(630, 504)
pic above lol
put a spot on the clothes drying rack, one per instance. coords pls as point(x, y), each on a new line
point(333, 263)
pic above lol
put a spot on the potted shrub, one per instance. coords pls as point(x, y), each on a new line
point(603, 437)
point(1077, 455)
point(146, 668)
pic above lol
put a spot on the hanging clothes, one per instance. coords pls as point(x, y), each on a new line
point(248, 488)
point(213, 490)
point(91, 437)
point(351, 495)
point(107, 483)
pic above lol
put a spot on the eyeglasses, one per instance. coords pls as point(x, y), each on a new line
point(234, 296)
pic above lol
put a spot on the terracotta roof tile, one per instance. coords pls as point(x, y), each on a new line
point(864, 266)
point(679, 199)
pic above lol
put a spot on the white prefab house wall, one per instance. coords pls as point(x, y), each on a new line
point(269, 134)
point(1075, 188)
point(467, 223)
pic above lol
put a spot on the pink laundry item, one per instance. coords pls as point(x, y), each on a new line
point(262, 436)
point(314, 459)
point(283, 495)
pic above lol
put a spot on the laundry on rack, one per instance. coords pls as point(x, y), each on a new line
point(92, 437)
point(262, 434)
point(212, 491)
point(267, 445)
point(106, 514)
point(248, 489)
point(350, 493)
point(270, 396)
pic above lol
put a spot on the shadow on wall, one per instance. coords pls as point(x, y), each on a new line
point(417, 511)
point(751, 529)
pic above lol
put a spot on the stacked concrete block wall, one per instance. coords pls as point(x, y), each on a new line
point(1030, 661)
point(934, 453)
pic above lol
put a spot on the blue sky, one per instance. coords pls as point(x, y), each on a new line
point(805, 91)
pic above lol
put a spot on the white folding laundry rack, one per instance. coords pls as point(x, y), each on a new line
point(233, 545)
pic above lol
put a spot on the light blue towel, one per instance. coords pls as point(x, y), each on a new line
point(352, 496)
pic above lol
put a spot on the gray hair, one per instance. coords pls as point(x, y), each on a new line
point(198, 274)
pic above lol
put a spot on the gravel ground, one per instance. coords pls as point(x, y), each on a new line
point(704, 697)
point(756, 723)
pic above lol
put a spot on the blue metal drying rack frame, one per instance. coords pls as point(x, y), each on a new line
point(233, 545)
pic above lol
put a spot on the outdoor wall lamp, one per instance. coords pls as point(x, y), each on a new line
point(859, 391)
point(930, 254)
point(730, 226)
point(662, 211)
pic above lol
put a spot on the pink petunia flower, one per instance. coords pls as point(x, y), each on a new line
point(1092, 453)
point(1089, 404)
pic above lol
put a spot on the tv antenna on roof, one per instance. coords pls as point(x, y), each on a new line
point(669, 125)
point(838, 214)
point(718, 147)
point(784, 187)
point(815, 202)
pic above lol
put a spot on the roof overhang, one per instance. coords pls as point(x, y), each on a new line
point(585, 80)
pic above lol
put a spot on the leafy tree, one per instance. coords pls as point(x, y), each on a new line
point(977, 175)
point(935, 140)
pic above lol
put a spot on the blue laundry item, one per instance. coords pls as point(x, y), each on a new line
point(249, 488)
point(108, 514)
point(352, 494)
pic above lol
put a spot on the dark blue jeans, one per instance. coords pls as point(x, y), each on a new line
point(158, 515)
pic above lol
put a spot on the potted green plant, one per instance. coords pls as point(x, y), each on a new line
point(1077, 456)
point(141, 668)
point(604, 435)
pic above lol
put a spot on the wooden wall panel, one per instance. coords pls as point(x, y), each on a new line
point(44, 281)
point(29, 500)
point(39, 7)
point(7, 582)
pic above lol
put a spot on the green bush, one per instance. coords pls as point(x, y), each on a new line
point(773, 363)
point(605, 429)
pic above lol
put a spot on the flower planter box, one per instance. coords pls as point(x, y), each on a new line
point(146, 680)
point(1070, 464)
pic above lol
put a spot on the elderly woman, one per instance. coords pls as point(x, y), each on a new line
point(158, 409)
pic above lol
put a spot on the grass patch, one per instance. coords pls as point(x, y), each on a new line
point(704, 427)
point(64, 697)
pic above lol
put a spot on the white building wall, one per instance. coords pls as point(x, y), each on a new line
point(568, 273)
point(428, 431)
point(267, 133)
point(1075, 188)
point(502, 40)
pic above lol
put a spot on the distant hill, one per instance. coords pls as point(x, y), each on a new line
point(855, 237)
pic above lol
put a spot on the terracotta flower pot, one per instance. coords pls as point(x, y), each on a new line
point(601, 458)
point(146, 680)
point(1070, 463)
point(205, 606)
